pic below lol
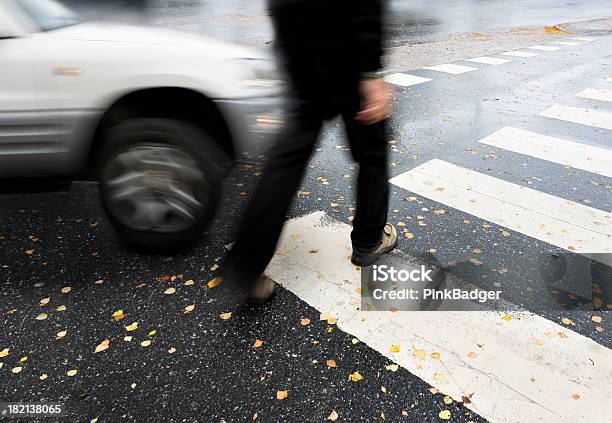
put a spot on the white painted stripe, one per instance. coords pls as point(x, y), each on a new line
point(555, 150)
point(587, 39)
point(405, 80)
point(609, 79)
point(489, 60)
point(452, 69)
point(519, 54)
point(566, 43)
point(545, 48)
point(587, 117)
point(513, 378)
point(596, 94)
point(566, 224)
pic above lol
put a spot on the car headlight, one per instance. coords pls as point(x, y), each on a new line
point(260, 73)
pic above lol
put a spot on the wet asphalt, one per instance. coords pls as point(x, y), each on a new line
point(200, 368)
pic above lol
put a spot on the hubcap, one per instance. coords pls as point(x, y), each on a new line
point(152, 187)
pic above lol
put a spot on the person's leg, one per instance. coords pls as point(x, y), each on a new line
point(267, 210)
point(369, 149)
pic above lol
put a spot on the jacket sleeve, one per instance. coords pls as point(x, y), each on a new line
point(367, 27)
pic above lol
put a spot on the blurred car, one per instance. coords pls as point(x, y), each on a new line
point(153, 115)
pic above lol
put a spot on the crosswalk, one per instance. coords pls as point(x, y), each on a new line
point(596, 94)
point(582, 116)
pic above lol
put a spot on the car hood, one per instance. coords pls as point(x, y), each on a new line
point(116, 33)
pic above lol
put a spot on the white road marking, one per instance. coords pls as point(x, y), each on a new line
point(609, 79)
point(555, 150)
point(520, 370)
point(405, 80)
point(545, 48)
point(589, 117)
point(596, 94)
point(452, 69)
point(519, 54)
point(587, 39)
point(489, 60)
point(566, 224)
point(566, 43)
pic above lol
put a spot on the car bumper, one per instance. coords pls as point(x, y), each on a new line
point(253, 122)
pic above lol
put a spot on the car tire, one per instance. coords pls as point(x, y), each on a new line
point(160, 182)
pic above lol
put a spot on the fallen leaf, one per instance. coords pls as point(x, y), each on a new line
point(127, 338)
point(214, 282)
point(506, 317)
point(71, 373)
point(433, 390)
point(465, 400)
point(5, 352)
point(66, 289)
point(258, 343)
point(189, 309)
point(43, 376)
point(355, 341)
point(225, 316)
point(132, 327)
point(45, 301)
point(395, 348)
point(439, 212)
point(447, 400)
point(567, 321)
point(16, 369)
point(333, 416)
point(281, 395)
point(41, 316)
point(118, 315)
point(29, 252)
point(419, 354)
point(599, 329)
point(435, 355)
point(102, 346)
point(596, 319)
point(146, 343)
point(331, 363)
point(214, 267)
point(392, 367)
point(133, 386)
point(410, 199)
point(61, 308)
point(438, 376)
point(304, 321)
point(170, 291)
point(153, 332)
point(23, 359)
point(408, 235)
point(475, 262)
point(576, 396)
point(189, 282)
point(355, 377)
point(313, 250)
point(445, 415)
point(505, 233)
point(171, 350)
point(61, 334)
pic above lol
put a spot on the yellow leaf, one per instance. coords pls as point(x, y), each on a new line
point(395, 348)
point(505, 233)
point(304, 321)
point(438, 376)
point(23, 359)
point(61, 308)
point(94, 420)
point(5, 352)
point(445, 415)
point(355, 341)
point(225, 316)
point(71, 373)
point(132, 327)
point(447, 400)
point(258, 343)
point(214, 282)
point(392, 367)
point(66, 289)
point(102, 346)
point(596, 319)
point(146, 343)
point(434, 391)
point(214, 267)
point(127, 338)
point(419, 354)
point(567, 321)
point(41, 316)
point(16, 369)
point(506, 318)
point(170, 291)
point(355, 377)
point(45, 301)
point(189, 309)
point(281, 395)
point(189, 282)
point(133, 386)
point(331, 363)
point(333, 416)
point(153, 332)
point(435, 355)
point(118, 315)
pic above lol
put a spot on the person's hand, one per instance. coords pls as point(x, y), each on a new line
point(376, 98)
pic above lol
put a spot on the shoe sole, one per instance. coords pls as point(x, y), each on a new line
point(370, 261)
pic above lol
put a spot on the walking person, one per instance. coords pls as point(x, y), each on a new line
point(332, 52)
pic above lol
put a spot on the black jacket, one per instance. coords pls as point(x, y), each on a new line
point(327, 44)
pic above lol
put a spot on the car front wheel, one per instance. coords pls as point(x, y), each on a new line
point(160, 182)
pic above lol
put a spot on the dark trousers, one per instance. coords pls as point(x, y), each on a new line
point(282, 174)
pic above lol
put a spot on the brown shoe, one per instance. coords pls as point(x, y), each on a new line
point(387, 244)
point(263, 290)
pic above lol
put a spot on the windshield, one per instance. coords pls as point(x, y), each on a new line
point(48, 14)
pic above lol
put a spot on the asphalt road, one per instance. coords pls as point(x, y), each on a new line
point(199, 367)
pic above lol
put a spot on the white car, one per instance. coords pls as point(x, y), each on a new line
point(151, 114)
